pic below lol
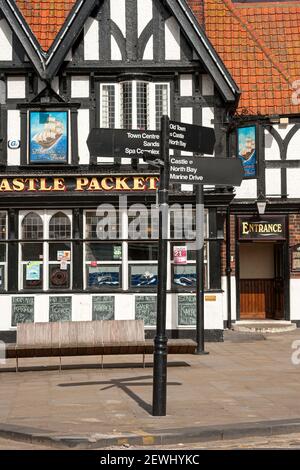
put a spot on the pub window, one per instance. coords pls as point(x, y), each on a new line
point(45, 250)
point(3, 250)
point(103, 259)
point(133, 104)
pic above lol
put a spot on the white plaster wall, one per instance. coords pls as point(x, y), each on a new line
point(91, 39)
point(273, 181)
point(16, 87)
point(208, 115)
point(124, 309)
point(293, 151)
point(6, 51)
point(148, 52)
point(295, 299)
point(207, 85)
point(83, 132)
point(172, 39)
point(247, 190)
point(292, 183)
point(118, 14)
point(224, 297)
point(145, 14)
point(271, 147)
point(186, 85)
point(115, 50)
point(80, 86)
point(13, 133)
point(55, 84)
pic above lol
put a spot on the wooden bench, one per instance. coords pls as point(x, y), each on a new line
point(88, 338)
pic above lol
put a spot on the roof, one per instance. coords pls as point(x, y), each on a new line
point(259, 42)
point(45, 18)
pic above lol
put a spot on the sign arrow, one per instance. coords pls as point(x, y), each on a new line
point(205, 170)
point(191, 138)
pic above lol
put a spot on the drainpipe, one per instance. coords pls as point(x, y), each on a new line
point(228, 268)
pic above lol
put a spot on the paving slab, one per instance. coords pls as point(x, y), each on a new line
point(251, 388)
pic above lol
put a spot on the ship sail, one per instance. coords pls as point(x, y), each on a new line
point(50, 135)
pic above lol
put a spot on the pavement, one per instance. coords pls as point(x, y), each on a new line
point(243, 388)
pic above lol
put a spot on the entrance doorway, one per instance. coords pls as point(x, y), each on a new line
point(261, 281)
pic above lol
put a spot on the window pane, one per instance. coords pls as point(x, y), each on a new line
point(60, 226)
point(191, 254)
point(101, 277)
point(3, 228)
point(186, 276)
point(57, 251)
point(143, 275)
point(2, 277)
point(108, 106)
point(161, 102)
point(2, 253)
point(126, 105)
point(32, 227)
point(59, 278)
point(142, 105)
point(32, 251)
point(142, 252)
point(143, 224)
point(103, 252)
point(104, 227)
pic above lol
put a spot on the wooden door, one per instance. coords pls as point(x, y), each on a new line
point(257, 300)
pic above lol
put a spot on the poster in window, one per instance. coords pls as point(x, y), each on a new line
point(180, 254)
point(296, 258)
point(247, 151)
point(48, 137)
point(33, 271)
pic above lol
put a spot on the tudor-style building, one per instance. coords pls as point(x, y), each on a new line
point(113, 64)
point(122, 64)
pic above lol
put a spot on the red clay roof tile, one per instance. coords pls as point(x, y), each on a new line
point(45, 18)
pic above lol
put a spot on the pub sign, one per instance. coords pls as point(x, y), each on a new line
point(263, 229)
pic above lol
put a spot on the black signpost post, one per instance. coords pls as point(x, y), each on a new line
point(154, 147)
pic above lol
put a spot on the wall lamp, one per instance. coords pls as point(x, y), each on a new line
point(261, 203)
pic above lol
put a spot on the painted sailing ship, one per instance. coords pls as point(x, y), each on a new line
point(248, 150)
point(50, 135)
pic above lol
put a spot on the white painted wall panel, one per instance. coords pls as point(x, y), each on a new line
point(145, 14)
point(186, 85)
point(80, 87)
point(69, 56)
point(271, 147)
point(172, 39)
point(208, 115)
point(118, 14)
point(115, 50)
point(6, 51)
point(293, 151)
point(83, 132)
point(247, 190)
point(273, 181)
point(13, 133)
point(16, 87)
point(148, 52)
point(91, 39)
point(207, 86)
point(295, 299)
point(124, 309)
point(293, 182)
point(233, 297)
point(55, 84)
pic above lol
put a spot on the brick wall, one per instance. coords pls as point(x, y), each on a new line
point(232, 248)
point(294, 233)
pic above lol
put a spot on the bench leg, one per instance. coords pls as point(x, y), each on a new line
point(102, 361)
point(144, 365)
point(59, 363)
point(17, 364)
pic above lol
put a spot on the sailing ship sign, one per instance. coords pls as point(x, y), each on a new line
point(247, 153)
point(48, 137)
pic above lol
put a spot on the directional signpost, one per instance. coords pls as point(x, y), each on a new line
point(154, 148)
